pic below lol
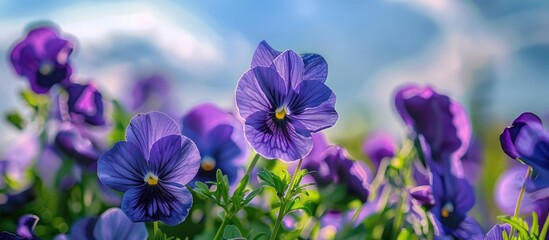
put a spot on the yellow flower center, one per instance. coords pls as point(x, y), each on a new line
point(446, 210)
point(151, 179)
point(46, 68)
point(207, 163)
point(280, 113)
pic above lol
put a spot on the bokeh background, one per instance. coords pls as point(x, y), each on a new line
point(492, 55)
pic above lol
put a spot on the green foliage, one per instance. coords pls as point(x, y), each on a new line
point(521, 230)
point(281, 182)
point(15, 118)
point(232, 232)
point(220, 193)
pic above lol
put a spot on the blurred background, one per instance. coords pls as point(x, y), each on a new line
point(490, 55)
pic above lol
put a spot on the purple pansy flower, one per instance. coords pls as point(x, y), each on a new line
point(283, 99)
point(220, 140)
point(335, 167)
point(423, 196)
point(25, 229)
point(509, 135)
point(85, 104)
point(454, 197)
point(440, 123)
point(496, 233)
point(379, 146)
point(43, 58)
point(152, 167)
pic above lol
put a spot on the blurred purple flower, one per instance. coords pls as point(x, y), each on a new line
point(378, 146)
point(335, 167)
point(152, 168)
point(111, 225)
point(473, 160)
point(72, 140)
point(85, 104)
point(43, 58)
point(496, 232)
point(151, 93)
point(441, 125)
point(510, 134)
point(283, 99)
point(423, 195)
point(508, 188)
point(220, 140)
point(25, 229)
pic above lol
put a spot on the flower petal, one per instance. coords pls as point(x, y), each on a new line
point(175, 159)
point(469, 229)
point(496, 233)
point(27, 223)
point(316, 67)
point(145, 129)
point(167, 203)
point(289, 66)
point(122, 167)
point(510, 134)
point(264, 55)
point(83, 228)
point(272, 139)
point(114, 224)
point(259, 89)
point(314, 106)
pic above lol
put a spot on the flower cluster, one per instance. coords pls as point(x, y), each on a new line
point(91, 167)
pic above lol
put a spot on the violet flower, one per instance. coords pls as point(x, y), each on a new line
point(440, 123)
point(152, 167)
point(283, 99)
point(73, 141)
point(220, 140)
point(454, 197)
point(335, 167)
point(509, 135)
point(85, 104)
point(43, 58)
point(378, 146)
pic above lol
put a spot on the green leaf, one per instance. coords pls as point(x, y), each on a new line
point(259, 235)
point(15, 118)
point(534, 228)
point(232, 232)
point(34, 100)
point(516, 223)
point(251, 196)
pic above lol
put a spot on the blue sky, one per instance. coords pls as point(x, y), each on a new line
point(495, 51)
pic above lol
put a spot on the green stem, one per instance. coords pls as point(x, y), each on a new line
point(155, 230)
point(521, 196)
point(226, 220)
point(282, 210)
point(544, 229)
point(229, 215)
point(252, 165)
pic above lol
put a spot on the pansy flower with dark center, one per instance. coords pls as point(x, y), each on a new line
point(283, 99)
point(220, 140)
point(440, 123)
point(25, 229)
point(43, 58)
point(85, 104)
point(152, 167)
point(454, 197)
